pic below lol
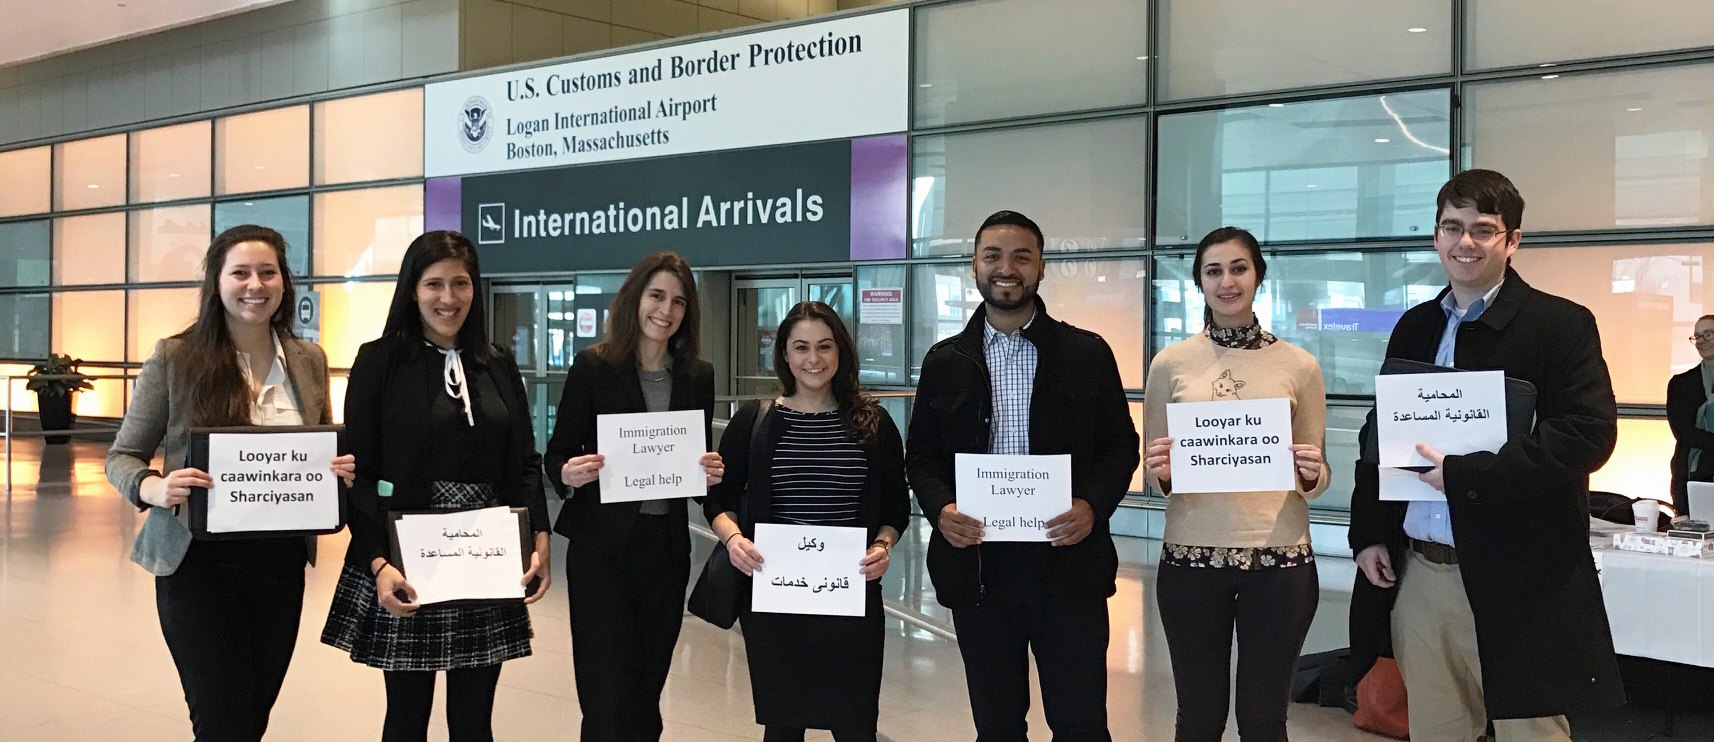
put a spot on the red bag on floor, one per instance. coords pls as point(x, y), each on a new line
point(1381, 706)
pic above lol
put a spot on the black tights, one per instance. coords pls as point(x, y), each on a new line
point(795, 734)
point(469, 704)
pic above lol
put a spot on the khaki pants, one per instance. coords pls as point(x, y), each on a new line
point(1434, 642)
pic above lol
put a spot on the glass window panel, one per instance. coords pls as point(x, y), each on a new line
point(1503, 33)
point(89, 249)
point(288, 215)
point(170, 163)
point(1233, 47)
point(25, 250)
point(883, 350)
point(1321, 170)
point(1103, 296)
point(107, 399)
point(156, 314)
point(1339, 306)
point(89, 173)
point(1638, 466)
point(1095, 57)
point(84, 325)
point(365, 233)
point(1084, 182)
point(23, 400)
point(513, 322)
point(1646, 299)
point(262, 151)
point(28, 175)
point(24, 326)
point(352, 314)
point(168, 244)
point(1622, 149)
point(1340, 450)
point(371, 137)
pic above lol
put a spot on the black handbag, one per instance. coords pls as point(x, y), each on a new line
point(717, 596)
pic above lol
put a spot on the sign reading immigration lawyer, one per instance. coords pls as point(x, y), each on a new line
point(824, 201)
point(836, 79)
point(1013, 496)
point(1234, 446)
point(476, 554)
point(266, 483)
point(813, 570)
point(651, 455)
point(1454, 413)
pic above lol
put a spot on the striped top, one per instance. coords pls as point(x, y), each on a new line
point(818, 471)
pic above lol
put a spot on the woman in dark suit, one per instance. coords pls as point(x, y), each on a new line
point(629, 562)
point(229, 609)
point(1685, 395)
point(826, 455)
point(440, 418)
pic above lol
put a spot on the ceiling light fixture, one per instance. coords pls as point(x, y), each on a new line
point(1382, 140)
point(1276, 105)
point(1549, 77)
point(1417, 29)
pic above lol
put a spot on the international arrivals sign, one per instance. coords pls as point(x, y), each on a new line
point(838, 79)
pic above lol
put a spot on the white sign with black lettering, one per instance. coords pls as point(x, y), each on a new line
point(1013, 496)
point(272, 482)
point(651, 455)
point(1453, 413)
point(812, 570)
point(1235, 446)
point(461, 555)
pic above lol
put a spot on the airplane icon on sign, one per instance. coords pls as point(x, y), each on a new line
point(491, 224)
point(488, 223)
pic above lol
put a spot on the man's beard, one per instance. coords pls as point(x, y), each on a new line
point(1026, 295)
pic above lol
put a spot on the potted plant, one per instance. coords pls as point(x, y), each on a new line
point(54, 381)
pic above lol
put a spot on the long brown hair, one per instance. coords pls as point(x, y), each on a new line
point(859, 411)
point(625, 333)
point(206, 354)
point(405, 318)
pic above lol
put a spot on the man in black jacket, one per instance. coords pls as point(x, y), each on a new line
point(1015, 382)
point(1497, 614)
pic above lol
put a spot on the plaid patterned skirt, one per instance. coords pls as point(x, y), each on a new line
point(435, 637)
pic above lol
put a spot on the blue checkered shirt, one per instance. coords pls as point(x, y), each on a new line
point(1012, 379)
point(1427, 520)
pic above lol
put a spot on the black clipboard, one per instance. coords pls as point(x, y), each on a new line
point(1520, 409)
point(197, 457)
point(526, 547)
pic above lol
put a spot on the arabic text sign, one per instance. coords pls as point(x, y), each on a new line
point(1013, 496)
point(1454, 413)
point(462, 555)
point(1235, 446)
point(812, 570)
point(651, 455)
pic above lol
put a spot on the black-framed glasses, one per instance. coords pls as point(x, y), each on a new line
point(1481, 233)
point(1703, 337)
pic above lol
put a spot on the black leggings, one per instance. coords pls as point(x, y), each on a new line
point(469, 704)
point(795, 734)
point(1271, 609)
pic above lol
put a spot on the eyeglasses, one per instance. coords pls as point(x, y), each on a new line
point(1703, 337)
point(1481, 233)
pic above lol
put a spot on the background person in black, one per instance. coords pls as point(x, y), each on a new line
point(1008, 599)
point(441, 419)
point(828, 456)
point(629, 562)
point(1685, 394)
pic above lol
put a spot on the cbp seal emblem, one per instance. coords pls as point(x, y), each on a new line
point(475, 127)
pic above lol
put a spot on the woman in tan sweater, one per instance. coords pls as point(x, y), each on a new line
point(1236, 559)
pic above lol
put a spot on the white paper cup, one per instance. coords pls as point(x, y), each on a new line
point(1646, 513)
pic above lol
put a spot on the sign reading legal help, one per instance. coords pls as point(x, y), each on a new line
point(272, 482)
point(1235, 446)
point(814, 570)
point(837, 79)
point(1013, 496)
point(1454, 413)
point(651, 455)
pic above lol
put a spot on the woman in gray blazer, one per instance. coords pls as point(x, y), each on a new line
point(229, 609)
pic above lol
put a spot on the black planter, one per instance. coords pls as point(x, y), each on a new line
point(55, 413)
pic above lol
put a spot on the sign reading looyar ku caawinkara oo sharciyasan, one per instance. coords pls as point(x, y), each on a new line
point(839, 79)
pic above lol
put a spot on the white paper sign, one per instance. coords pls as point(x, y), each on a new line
point(1454, 413)
point(272, 482)
point(1013, 496)
point(881, 306)
point(462, 555)
point(836, 79)
point(813, 570)
point(1235, 446)
point(1403, 484)
point(651, 455)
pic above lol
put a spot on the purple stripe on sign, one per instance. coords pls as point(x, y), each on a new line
point(878, 193)
point(443, 204)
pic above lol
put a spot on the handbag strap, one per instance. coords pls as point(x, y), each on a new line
point(755, 435)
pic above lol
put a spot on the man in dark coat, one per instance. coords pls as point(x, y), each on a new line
point(1018, 382)
point(1497, 614)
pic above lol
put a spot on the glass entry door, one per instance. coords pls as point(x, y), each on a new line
point(761, 303)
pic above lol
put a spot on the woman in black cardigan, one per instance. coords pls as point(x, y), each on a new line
point(827, 455)
point(1685, 395)
point(439, 420)
point(629, 562)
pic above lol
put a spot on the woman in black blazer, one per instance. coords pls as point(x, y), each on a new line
point(1685, 395)
point(629, 562)
point(826, 455)
point(439, 420)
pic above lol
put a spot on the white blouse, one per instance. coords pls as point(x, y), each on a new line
point(274, 404)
